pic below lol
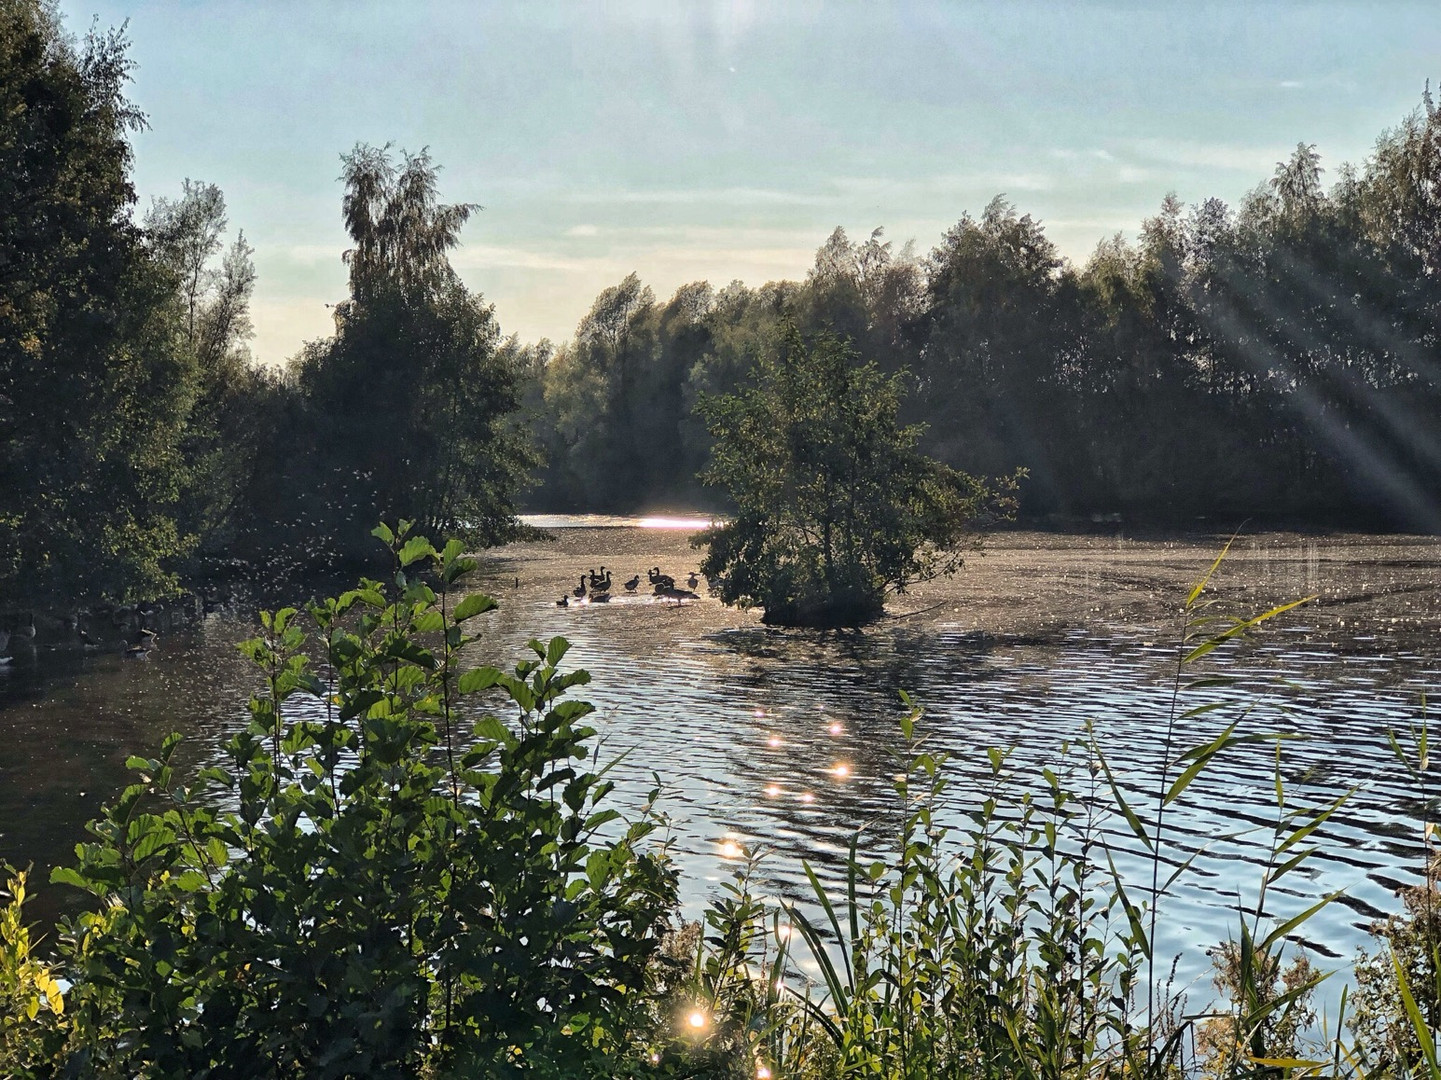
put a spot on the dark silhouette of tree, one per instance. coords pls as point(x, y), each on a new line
point(411, 402)
point(95, 384)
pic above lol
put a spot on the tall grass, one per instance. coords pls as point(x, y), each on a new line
point(1005, 941)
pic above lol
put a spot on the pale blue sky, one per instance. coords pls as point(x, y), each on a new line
point(725, 140)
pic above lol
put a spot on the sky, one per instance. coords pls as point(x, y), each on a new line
point(726, 140)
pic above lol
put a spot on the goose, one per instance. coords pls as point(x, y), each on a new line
point(596, 579)
point(692, 582)
point(564, 601)
point(600, 598)
point(143, 646)
point(579, 590)
point(661, 581)
point(603, 585)
point(632, 584)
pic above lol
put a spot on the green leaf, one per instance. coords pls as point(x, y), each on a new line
point(417, 547)
point(473, 605)
point(477, 679)
point(1294, 921)
point(1203, 757)
point(1420, 1028)
point(64, 875)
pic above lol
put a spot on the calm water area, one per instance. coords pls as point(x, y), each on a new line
point(785, 741)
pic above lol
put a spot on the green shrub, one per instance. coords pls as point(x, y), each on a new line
point(394, 890)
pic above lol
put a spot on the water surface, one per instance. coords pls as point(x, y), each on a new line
point(787, 741)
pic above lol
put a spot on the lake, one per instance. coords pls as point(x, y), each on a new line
point(785, 740)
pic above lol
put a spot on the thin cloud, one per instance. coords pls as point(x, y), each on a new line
point(1248, 159)
point(944, 184)
point(730, 196)
point(492, 256)
point(1094, 154)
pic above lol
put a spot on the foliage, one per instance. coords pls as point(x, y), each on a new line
point(1272, 359)
point(615, 414)
point(412, 344)
point(833, 504)
point(1282, 996)
point(225, 428)
point(1408, 963)
point(398, 887)
point(94, 392)
point(27, 984)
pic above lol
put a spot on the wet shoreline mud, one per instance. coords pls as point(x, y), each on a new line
point(1366, 590)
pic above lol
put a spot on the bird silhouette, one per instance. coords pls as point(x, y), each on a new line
point(144, 643)
point(579, 590)
point(692, 582)
point(632, 584)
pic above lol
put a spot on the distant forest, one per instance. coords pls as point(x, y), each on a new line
point(1273, 361)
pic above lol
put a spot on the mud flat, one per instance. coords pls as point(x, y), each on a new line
point(1368, 590)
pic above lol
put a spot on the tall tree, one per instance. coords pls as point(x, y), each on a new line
point(95, 387)
point(411, 401)
point(227, 423)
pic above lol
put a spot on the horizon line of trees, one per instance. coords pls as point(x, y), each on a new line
point(1276, 360)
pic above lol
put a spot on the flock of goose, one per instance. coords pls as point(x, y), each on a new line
point(594, 587)
point(137, 640)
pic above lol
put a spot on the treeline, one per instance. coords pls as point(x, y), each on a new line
point(1276, 360)
point(139, 445)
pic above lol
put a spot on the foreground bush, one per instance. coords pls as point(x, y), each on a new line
point(393, 891)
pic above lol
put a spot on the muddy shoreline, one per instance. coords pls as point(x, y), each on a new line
point(1368, 591)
